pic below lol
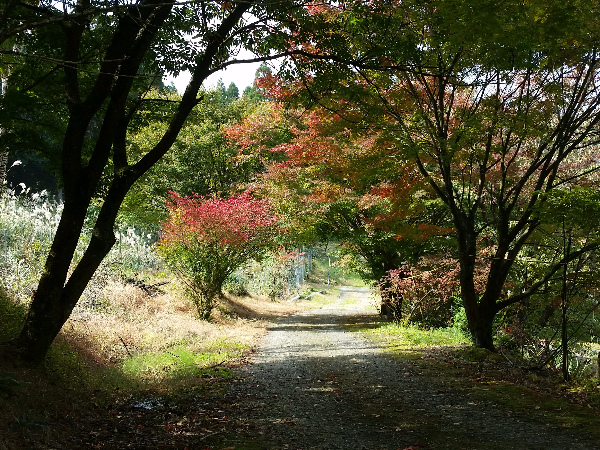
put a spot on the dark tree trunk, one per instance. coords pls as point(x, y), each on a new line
point(390, 306)
point(482, 330)
point(50, 307)
point(480, 316)
point(479, 308)
point(56, 296)
point(391, 303)
point(54, 300)
point(564, 338)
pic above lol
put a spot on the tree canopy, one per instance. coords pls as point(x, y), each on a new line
point(494, 106)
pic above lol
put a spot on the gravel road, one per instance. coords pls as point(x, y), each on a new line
point(313, 385)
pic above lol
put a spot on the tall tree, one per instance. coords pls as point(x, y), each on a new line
point(232, 93)
point(494, 106)
point(92, 68)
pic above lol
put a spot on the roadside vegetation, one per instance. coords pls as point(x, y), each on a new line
point(456, 174)
point(135, 338)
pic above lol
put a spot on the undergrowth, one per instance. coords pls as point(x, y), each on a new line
point(180, 365)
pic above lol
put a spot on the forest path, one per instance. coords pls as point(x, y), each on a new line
point(314, 385)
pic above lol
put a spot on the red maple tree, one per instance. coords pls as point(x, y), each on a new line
point(205, 239)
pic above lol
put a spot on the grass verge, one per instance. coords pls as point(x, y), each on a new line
point(447, 356)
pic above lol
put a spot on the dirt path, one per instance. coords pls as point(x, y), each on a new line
point(313, 385)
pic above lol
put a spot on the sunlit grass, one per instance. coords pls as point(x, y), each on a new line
point(411, 336)
point(177, 364)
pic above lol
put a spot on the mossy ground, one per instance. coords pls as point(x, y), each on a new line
point(447, 356)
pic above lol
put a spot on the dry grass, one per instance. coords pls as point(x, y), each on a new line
point(86, 365)
point(132, 322)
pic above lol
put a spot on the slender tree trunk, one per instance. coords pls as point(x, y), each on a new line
point(3, 167)
point(386, 307)
point(391, 305)
point(54, 299)
point(564, 307)
point(563, 335)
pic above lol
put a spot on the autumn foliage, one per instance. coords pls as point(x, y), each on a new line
point(205, 239)
point(492, 121)
point(426, 292)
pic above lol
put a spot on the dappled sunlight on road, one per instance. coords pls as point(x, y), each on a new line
point(315, 385)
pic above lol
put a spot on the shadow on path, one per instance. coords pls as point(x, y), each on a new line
point(313, 385)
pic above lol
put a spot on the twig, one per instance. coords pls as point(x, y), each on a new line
point(215, 365)
point(511, 362)
point(125, 345)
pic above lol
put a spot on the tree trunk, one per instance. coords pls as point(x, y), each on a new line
point(50, 307)
point(482, 331)
point(480, 316)
point(3, 152)
point(480, 309)
point(564, 338)
point(391, 306)
point(381, 261)
point(54, 299)
point(3, 168)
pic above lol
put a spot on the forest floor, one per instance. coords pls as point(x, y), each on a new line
point(318, 379)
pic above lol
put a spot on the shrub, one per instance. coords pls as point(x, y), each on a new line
point(205, 240)
point(423, 293)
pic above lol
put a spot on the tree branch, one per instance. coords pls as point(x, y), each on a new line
point(533, 289)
